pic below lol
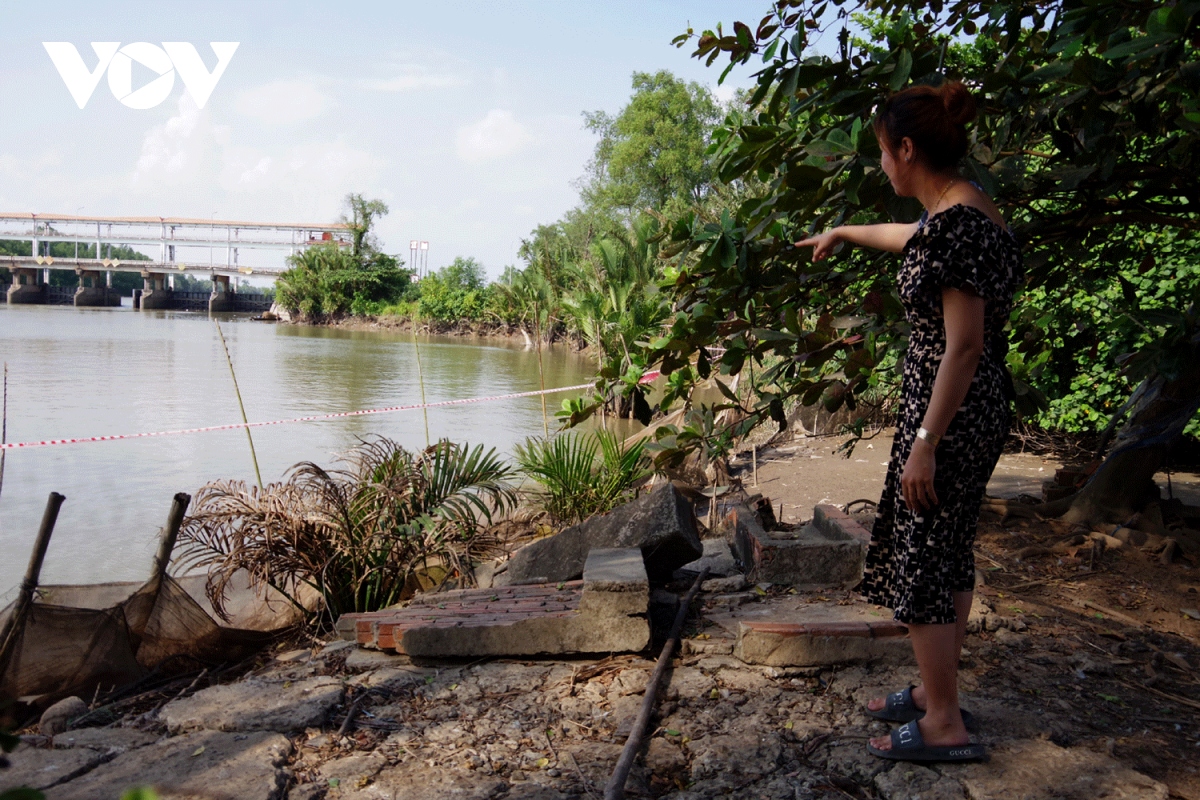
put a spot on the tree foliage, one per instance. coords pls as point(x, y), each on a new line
point(1087, 140)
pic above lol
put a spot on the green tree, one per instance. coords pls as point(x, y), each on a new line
point(361, 215)
point(1088, 135)
point(653, 152)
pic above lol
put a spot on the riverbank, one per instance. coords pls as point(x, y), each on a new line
point(1080, 669)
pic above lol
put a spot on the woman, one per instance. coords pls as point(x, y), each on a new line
point(960, 269)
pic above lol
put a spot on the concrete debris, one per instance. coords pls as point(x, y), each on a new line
point(661, 523)
point(718, 557)
point(829, 551)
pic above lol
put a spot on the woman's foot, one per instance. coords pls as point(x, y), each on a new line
point(918, 696)
point(945, 734)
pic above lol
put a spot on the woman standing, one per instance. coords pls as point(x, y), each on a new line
point(960, 269)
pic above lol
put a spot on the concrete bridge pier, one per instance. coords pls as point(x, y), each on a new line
point(26, 288)
point(93, 289)
point(156, 295)
point(221, 298)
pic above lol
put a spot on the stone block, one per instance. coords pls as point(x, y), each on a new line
point(255, 705)
point(827, 552)
point(820, 642)
point(662, 524)
point(614, 583)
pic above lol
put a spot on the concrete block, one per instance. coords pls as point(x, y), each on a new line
point(603, 613)
point(615, 583)
point(718, 557)
point(827, 552)
point(29, 294)
point(662, 524)
point(804, 644)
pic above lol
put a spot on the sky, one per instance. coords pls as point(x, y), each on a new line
point(466, 119)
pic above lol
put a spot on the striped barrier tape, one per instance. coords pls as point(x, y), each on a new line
point(649, 376)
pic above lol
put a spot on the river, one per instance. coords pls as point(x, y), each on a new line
point(91, 372)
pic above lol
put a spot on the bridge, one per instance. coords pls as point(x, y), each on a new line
point(210, 247)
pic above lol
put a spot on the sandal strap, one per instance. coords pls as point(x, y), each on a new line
point(901, 701)
point(907, 737)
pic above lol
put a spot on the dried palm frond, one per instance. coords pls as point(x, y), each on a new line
point(358, 535)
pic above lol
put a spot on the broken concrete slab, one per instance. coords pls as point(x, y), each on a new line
point(255, 705)
point(604, 613)
point(37, 768)
point(1037, 769)
point(804, 630)
point(718, 558)
point(208, 764)
point(827, 552)
point(662, 524)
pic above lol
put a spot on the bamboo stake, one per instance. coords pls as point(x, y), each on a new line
point(541, 377)
point(615, 790)
point(14, 626)
point(166, 544)
point(421, 381)
point(241, 406)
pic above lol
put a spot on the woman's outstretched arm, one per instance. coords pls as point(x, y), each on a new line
point(890, 236)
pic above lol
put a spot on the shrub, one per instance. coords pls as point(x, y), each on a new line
point(583, 474)
point(358, 535)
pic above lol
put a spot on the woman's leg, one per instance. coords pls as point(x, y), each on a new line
point(962, 610)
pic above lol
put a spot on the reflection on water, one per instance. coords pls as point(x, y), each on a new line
point(88, 372)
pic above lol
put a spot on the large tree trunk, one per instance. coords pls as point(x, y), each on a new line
point(1160, 409)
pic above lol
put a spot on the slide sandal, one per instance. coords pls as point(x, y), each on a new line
point(907, 745)
point(901, 708)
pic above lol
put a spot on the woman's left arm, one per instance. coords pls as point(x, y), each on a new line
point(963, 314)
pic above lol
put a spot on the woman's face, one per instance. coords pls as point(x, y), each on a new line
point(897, 165)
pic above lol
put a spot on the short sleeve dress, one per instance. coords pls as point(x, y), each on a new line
point(917, 560)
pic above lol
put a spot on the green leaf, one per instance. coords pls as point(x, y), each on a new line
point(900, 73)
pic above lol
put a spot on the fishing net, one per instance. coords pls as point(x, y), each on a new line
point(77, 639)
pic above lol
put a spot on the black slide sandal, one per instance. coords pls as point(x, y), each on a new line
point(900, 707)
point(907, 745)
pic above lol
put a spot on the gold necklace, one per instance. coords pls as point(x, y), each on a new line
point(942, 196)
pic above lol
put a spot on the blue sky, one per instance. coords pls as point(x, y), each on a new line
point(465, 118)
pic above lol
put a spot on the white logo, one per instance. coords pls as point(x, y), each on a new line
point(164, 61)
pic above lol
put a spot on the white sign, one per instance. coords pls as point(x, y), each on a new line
point(118, 61)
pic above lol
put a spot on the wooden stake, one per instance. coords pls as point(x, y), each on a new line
point(14, 626)
point(421, 380)
point(166, 544)
point(754, 455)
point(615, 790)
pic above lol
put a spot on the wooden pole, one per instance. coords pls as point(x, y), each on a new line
point(166, 544)
point(754, 455)
point(421, 380)
point(15, 624)
point(615, 790)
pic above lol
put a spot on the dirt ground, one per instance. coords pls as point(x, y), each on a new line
point(1082, 669)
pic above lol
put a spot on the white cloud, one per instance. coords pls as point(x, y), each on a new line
point(496, 135)
point(413, 77)
point(283, 102)
point(180, 149)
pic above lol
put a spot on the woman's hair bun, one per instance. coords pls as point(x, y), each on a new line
point(959, 102)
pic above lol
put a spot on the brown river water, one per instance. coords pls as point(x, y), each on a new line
point(92, 372)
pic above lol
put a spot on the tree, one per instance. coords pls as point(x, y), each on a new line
point(329, 280)
point(1088, 133)
point(653, 151)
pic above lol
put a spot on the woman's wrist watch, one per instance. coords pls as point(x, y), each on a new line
point(928, 436)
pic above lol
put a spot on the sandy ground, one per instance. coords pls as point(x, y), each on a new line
point(809, 470)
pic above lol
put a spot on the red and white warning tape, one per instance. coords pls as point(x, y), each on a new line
point(649, 376)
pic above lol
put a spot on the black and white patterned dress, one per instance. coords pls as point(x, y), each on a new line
point(916, 560)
